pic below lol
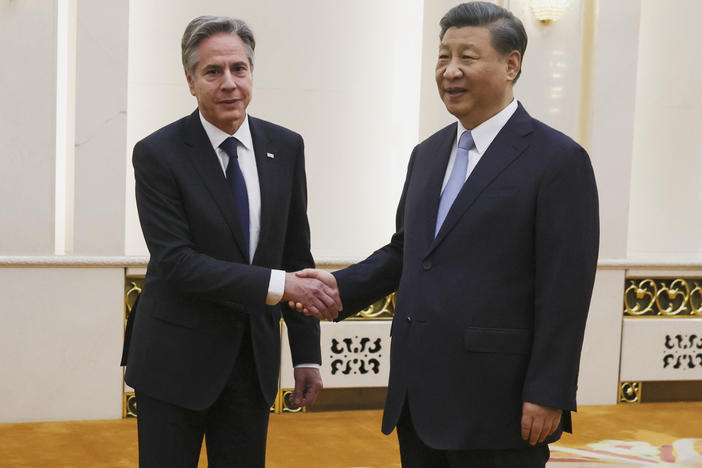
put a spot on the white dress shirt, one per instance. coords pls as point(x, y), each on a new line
point(247, 163)
point(482, 135)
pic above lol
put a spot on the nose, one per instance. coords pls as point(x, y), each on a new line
point(228, 81)
point(452, 70)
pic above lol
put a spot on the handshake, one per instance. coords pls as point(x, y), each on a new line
point(313, 292)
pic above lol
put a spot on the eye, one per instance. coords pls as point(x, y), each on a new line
point(239, 70)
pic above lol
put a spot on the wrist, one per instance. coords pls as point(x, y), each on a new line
point(289, 285)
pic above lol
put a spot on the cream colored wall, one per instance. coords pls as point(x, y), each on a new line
point(666, 182)
point(344, 75)
point(27, 127)
point(61, 343)
point(100, 127)
point(549, 86)
point(61, 332)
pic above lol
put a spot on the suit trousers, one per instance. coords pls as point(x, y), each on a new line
point(414, 453)
point(234, 427)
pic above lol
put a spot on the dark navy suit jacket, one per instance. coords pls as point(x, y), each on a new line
point(491, 312)
point(200, 290)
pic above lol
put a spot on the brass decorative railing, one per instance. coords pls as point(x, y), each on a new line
point(663, 297)
point(132, 289)
point(383, 309)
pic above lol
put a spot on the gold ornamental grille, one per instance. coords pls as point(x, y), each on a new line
point(663, 297)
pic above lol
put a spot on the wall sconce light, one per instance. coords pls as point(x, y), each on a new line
point(548, 10)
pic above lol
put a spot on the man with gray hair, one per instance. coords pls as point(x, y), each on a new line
point(494, 260)
point(222, 203)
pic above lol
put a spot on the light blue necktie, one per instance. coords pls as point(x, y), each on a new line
point(456, 179)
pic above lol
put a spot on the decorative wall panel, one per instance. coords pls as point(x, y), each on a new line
point(661, 349)
point(354, 354)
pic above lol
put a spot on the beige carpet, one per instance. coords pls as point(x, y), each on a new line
point(604, 436)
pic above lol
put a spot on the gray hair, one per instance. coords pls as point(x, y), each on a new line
point(506, 30)
point(203, 27)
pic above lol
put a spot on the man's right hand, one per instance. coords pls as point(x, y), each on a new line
point(320, 298)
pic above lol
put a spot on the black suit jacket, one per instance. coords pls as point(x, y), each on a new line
point(200, 290)
point(491, 312)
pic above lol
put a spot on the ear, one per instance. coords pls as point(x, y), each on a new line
point(191, 83)
point(513, 63)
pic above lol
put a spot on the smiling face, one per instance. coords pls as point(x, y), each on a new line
point(474, 80)
point(222, 81)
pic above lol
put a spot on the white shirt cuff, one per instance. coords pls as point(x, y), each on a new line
point(276, 287)
point(314, 366)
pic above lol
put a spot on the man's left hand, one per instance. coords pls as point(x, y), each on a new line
point(308, 383)
point(539, 422)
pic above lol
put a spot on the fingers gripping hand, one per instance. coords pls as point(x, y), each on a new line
point(539, 422)
point(329, 295)
point(317, 297)
point(325, 277)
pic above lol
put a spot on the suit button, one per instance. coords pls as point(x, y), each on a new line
point(409, 319)
point(427, 265)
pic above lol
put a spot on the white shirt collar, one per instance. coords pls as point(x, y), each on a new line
point(217, 136)
point(484, 133)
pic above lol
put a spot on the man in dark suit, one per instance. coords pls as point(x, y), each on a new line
point(494, 261)
point(222, 203)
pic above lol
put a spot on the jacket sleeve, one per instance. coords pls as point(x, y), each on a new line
point(303, 331)
point(566, 248)
point(167, 233)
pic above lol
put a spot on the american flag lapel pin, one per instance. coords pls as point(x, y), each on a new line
point(270, 155)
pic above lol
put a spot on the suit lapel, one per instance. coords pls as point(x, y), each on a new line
point(206, 164)
point(509, 143)
point(439, 158)
point(270, 172)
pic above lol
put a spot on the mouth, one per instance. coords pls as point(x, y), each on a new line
point(228, 102)
point(455, 91)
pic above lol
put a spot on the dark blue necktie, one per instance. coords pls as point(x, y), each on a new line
point(238, 186)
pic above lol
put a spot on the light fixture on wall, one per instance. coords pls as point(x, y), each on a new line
point(548, 10)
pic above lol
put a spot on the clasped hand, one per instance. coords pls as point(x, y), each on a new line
point(313, 292)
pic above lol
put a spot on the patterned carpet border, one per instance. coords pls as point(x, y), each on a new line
point(611, 453)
